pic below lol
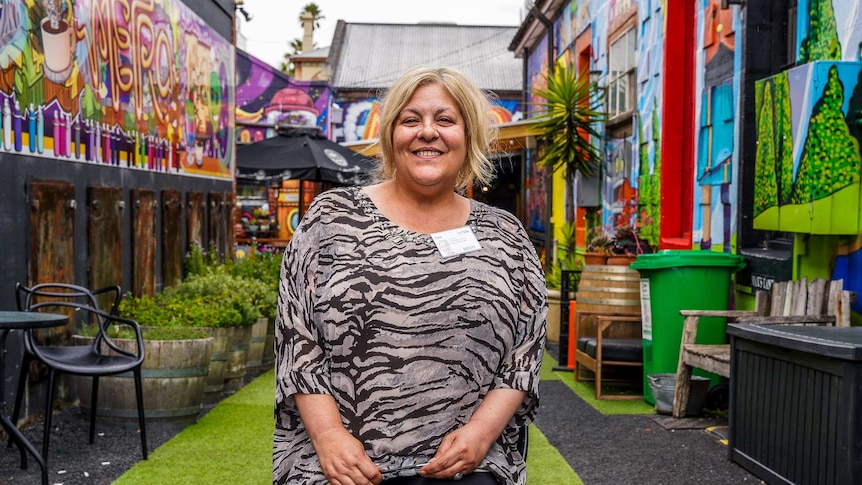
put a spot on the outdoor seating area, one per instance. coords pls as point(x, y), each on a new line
point(135, 362)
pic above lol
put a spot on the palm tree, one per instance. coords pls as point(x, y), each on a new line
point(569, 131)
point(295, 48)
point(315, 11)
point(568, 124)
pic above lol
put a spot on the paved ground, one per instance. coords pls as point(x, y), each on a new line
point(632, 449)
point(601, 449)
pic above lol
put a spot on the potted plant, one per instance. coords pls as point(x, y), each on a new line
point(243, 294)
point(568, 125)
point(599, 248)
point(238, 300)
point(264, 267)
point(627, 245)
point(175, 366)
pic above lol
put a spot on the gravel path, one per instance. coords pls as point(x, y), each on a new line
point(71, 461)
point(617, 450)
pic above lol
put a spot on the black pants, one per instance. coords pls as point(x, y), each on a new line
point(471, 479)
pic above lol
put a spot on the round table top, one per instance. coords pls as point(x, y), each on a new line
point(25, 320)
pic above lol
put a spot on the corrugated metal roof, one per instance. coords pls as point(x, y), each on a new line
point(372, 56)
point(313, 54)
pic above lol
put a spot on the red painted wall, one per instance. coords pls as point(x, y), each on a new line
point(677, 150)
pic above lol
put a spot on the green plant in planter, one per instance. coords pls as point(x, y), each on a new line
point(149, 333)
point(176, 316)
point(627, 241)
point(601, 244)
point(264, 268)
point(567, 259)
point(238, 299)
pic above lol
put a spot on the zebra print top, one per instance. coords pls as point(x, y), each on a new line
point(406, 342)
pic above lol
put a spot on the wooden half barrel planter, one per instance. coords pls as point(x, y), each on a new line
point(174, 374)
point(218, 363)
point(237, 355)
point(609, 289)
point(254, 361)
point(269, 346)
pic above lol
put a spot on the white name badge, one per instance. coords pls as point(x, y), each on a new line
point(456, 241)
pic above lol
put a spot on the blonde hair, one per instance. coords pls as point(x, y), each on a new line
point(473, 105)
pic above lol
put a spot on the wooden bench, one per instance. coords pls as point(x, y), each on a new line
point(603, 340)
point(823, 302)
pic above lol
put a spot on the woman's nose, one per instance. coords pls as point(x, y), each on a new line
point(428, 132)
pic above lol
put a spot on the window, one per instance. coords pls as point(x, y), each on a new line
point(621, 76)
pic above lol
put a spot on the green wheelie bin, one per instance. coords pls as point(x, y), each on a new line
point(674, 280)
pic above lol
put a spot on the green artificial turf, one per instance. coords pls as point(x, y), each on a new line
point(545, 465)
point(233, 442)
point(587, 392)
point(230, 444)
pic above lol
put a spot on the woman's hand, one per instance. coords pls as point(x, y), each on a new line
point(460, 452)
point(344, 460)
point(463, 450)
point(342, 457)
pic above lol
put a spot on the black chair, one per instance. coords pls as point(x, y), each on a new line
point(102, 358)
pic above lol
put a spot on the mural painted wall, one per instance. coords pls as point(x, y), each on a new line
point(808, 162)
point(536, 188)
point(630, 173)
point(266, 96)
point(631, 191)
point(630, 183)
point(141, 85)
point(808, 159)
point(717, 85)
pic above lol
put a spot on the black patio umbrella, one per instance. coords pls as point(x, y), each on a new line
point(301, 155)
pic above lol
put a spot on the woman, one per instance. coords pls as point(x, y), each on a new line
point(411, 320)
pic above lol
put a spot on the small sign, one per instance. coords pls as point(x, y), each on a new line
point(646, 314)
point(456, 241)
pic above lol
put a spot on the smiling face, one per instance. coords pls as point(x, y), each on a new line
point(429, 139)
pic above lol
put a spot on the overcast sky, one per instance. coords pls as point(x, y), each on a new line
point(276, 22)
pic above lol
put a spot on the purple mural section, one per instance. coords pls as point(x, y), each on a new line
point(266, 97)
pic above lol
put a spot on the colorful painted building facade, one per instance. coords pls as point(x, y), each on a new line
point(722, 136)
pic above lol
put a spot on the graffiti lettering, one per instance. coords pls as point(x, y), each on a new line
point(131, 54)
point(760, 282)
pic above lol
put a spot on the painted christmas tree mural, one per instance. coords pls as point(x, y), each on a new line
point(854, 109)
point(821, 44)
point(782, 142)
point(766, 187)
point(830, 160)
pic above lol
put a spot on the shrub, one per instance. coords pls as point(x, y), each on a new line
point(262, 268)
point(238, 298)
